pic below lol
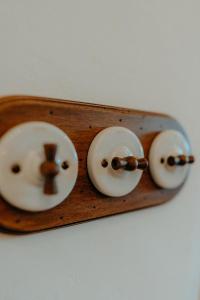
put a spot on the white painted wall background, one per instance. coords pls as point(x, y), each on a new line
point(134, 53)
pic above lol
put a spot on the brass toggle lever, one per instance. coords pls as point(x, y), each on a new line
point(180, 160)
point(49, 169)
point(129, 163)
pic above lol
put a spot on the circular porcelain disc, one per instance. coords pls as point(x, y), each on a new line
point(111, 142)
point(24, 145)
point(168, 143)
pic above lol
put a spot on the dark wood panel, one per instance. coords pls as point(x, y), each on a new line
point(82, 122)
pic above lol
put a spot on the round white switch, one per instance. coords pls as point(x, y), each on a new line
point(22, 153)
point(109, 143)
point(169, 159)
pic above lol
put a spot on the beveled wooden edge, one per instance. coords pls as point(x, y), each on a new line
point(15, 99)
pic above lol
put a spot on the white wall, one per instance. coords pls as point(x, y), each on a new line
point(133, 53)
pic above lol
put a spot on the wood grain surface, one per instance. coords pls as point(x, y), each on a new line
point(82, 122)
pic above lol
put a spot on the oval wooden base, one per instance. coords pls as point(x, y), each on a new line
point(82, 122)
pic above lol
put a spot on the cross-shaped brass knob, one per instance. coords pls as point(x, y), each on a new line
point(50, 169)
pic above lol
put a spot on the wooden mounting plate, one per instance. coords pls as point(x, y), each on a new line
point(82, 122)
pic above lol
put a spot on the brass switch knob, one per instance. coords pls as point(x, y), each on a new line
point(129, 163)
point(180, 160)
point(50, 169)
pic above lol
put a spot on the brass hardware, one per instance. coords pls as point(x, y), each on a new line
point(49, 169)
point(180, 160)
point(129, 163)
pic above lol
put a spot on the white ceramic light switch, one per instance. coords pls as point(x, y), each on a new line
point(31, 155)
point(115, 161)
point(170, 158)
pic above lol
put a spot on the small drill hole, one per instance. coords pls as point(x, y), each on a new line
point(16, 169)
point(90, 127)
point(51, 112)
point(120, 120)
point(65, 165)
point(162, 160)
point(104, 163)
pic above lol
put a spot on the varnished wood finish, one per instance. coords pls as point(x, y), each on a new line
point(82, 122)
